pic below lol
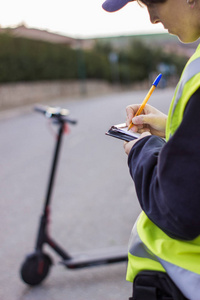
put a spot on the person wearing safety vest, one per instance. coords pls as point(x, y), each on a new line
point(164, 247)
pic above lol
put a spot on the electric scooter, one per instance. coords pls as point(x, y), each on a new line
point(36, 266)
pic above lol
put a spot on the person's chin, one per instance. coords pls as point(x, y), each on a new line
point(171, 33)
point(181, 39)
point(187, 40)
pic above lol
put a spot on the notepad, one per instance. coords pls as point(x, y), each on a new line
point(121, 132)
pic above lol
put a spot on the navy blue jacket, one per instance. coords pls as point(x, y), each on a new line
point(167, 176)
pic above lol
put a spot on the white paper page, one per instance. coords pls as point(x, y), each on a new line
point(124, 129)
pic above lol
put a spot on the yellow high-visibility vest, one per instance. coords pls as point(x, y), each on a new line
point(149, 247)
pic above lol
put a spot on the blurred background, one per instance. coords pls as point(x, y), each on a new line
point(74, 55)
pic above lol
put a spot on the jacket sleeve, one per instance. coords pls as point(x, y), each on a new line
point(167, 176)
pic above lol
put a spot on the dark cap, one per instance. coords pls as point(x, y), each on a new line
point(114, 5)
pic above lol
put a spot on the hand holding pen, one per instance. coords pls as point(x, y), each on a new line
point(154, 85)
point(150, 119)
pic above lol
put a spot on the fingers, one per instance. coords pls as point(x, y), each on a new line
point(128, 145)
point(140, 128)
point(150, 118)
point(138, 124)
point(144, 130)
point(131, 111)
point(144, 119)
point(139, 120)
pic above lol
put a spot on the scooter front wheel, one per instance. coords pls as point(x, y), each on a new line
point(35, 268)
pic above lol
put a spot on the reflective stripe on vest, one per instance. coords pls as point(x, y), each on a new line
point(188, 84)
point(186, 280)
point(192, 69)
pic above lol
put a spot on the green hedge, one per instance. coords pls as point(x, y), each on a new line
point(29, 60)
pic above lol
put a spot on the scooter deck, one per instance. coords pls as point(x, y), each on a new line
point(95, 258)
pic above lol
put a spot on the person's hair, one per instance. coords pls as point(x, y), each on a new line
point(148, 2)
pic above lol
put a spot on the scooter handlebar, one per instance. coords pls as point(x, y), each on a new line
point(57, 113)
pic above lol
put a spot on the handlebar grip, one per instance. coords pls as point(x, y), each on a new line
point(57, 114)
point(42, 109)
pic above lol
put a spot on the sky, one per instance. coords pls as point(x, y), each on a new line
point(77, 18)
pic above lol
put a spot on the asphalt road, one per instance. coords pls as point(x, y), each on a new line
point(94, 202)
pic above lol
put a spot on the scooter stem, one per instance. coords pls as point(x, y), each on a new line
point(54, 165)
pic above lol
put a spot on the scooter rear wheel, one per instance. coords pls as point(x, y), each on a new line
point(35, 268)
